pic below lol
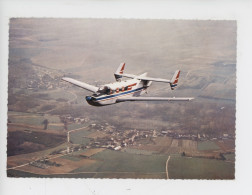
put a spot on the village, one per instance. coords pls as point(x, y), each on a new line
point(116, 139)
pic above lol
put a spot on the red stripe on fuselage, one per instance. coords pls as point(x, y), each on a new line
point(118, 96)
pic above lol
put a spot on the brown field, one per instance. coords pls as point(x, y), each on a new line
point(166, 145)
point(91, 152)
point(66, 166)
point(210, 155)
point(22, 127)
point(17, 160)
point(12, 126)
point(226, 145)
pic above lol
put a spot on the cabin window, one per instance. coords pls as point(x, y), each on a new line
point(104, 90)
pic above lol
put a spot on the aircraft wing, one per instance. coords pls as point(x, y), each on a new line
point(153, 79)
point(132, 76)
point(154, 99)
point(81, 84)
point(144, 78)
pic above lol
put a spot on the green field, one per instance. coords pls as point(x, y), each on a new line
point(52, 118)
point(136, 151)
point(21, 142)
point(31, 118)
point(55, 127)
point(78, 137)
point(207, 145)
point(116, 161)
point(27, 119)
point(18, 173)
point(230, 157)
point(75, 156)
point(13, 113)
point(199, 168)
point(75, 126)
point(71, 157)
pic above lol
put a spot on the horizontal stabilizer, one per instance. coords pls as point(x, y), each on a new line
point(81, 84)
point(154, 99)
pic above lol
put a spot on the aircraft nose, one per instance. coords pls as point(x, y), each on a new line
point(88, 98)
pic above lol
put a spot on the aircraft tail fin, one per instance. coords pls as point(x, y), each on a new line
point(174, 80)
point(119, 72)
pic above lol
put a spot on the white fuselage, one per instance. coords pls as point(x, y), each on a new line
point(109, 93)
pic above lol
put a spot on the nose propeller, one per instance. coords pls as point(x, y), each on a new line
point(89, 98)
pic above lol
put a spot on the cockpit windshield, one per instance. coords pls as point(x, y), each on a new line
point(104, 90)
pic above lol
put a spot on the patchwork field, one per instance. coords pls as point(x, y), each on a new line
point(42, 109)
point(32, 141)
point(207, 145)
point(21, 159)
point(115, 162)
point(199, 168)
point(91, 152)
point(66, 166)
point(167, 145)
point(80, 136)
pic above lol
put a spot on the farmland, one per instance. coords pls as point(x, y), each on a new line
point(31, 142)
point(207, 145)
point(114, 161)
point(130, 139)
point(199, 168)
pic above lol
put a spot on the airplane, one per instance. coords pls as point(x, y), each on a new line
point(126, 90)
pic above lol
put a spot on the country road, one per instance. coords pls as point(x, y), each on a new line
point(68, 139)
point(167, 175)
point(74, 98)
point(34, 161)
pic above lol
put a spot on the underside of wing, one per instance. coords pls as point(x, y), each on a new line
point(81, 84)
point(132, 76)
point(153, 79)
point(154, 99)
point(140, 77)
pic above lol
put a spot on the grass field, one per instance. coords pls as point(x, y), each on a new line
point(32, 118)
point(199, 168)
point(55, 126)
point(71, 157)
point(21, 142)
point(207, 145)
point(75, 126)
point(230, 157)
point(116, 161)
point(136, 151)
point(91, 152)
point(27, 119)
point(78, 137)
point(18, 173)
